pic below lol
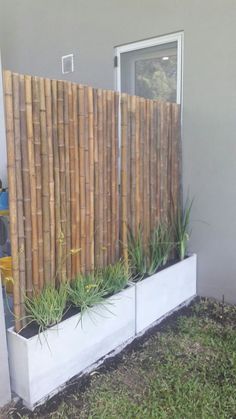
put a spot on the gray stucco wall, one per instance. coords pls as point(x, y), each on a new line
point(3, 153)
point(34, 35)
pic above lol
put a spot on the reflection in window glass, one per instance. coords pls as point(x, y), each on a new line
point(156, 78)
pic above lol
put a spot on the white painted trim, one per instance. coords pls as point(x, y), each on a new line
point(160, 40)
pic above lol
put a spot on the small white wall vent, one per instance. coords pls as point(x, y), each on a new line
point(67, 64)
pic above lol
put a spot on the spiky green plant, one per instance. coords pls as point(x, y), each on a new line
point(86, 291)
point(160, 246)
point(47, 308)
point(181, 228)
point(137, 254)
point(114, 277)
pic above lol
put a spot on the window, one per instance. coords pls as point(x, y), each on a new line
point(151, 68)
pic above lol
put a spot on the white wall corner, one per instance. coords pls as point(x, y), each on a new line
point(3, 151)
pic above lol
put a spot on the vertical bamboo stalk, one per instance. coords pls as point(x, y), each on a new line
point(87, 182)
point(12, 195)
point(72, 179)
point(45, 184)
point(62, 170)
point(32, 174)
point(96, 181)
point(38, 171)
point(49, 126)
point(77, 178)
point(161, 162)
point(169, 164)
point(26, 189)
point(101, 171)
point(56, 178)
point(82, 178)
point(152, 168)
point(67, 181)
point(146, 178)
point(109, 174)
point(132, 163)
point(155, 148)
point(141, 147)
point(176, 158)
point(105, 179)
point(19, 192)
point(91, 174)
point(166, 109)
point(124, 122)
point(137, 165)
point(116, 175)
point(158, 163)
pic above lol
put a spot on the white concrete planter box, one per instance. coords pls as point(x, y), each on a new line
point(163, 292)
point(39, 367)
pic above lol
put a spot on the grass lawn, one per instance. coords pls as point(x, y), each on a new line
point(185, 368)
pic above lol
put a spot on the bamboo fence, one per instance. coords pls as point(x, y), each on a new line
point(68, 213)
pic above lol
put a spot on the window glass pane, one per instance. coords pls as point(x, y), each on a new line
point(151, 72)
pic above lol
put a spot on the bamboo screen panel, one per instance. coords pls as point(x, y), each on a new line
point(151, 163)
point(63, 176)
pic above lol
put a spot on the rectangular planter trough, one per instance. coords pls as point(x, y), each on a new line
point(164, 291)
point(41, 365)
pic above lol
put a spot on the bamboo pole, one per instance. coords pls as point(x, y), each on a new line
point(49, 126)
point(26, 189)
point(32, 175)
point(19, 189)
point(158, 164)
point(96, 181)
point(124, 163)
point(77, 179)
point(141, 146)
point(146, 195)
point(82, 178)
point(169, 163)
point(67, 181)
point(137, 165)
point(62, 170)
point(56, 178)
point(38, 171)
point(45, 184)
point(7, 79)
point(87, 182)
point(105, 180)
point(155, 163)
point(133, 159)
point(116, 174)
point(109, 174)
point(114, 177)
point(101, 171)
point(164, 124)
point(152, 169)
point(72, 178)
point(91, 174)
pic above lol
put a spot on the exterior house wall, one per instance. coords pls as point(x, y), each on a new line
point(3, 154)
point(34, 36)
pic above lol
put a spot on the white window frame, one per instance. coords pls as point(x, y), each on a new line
point(152, 42)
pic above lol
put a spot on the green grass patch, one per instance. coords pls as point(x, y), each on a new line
point(186, 370)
